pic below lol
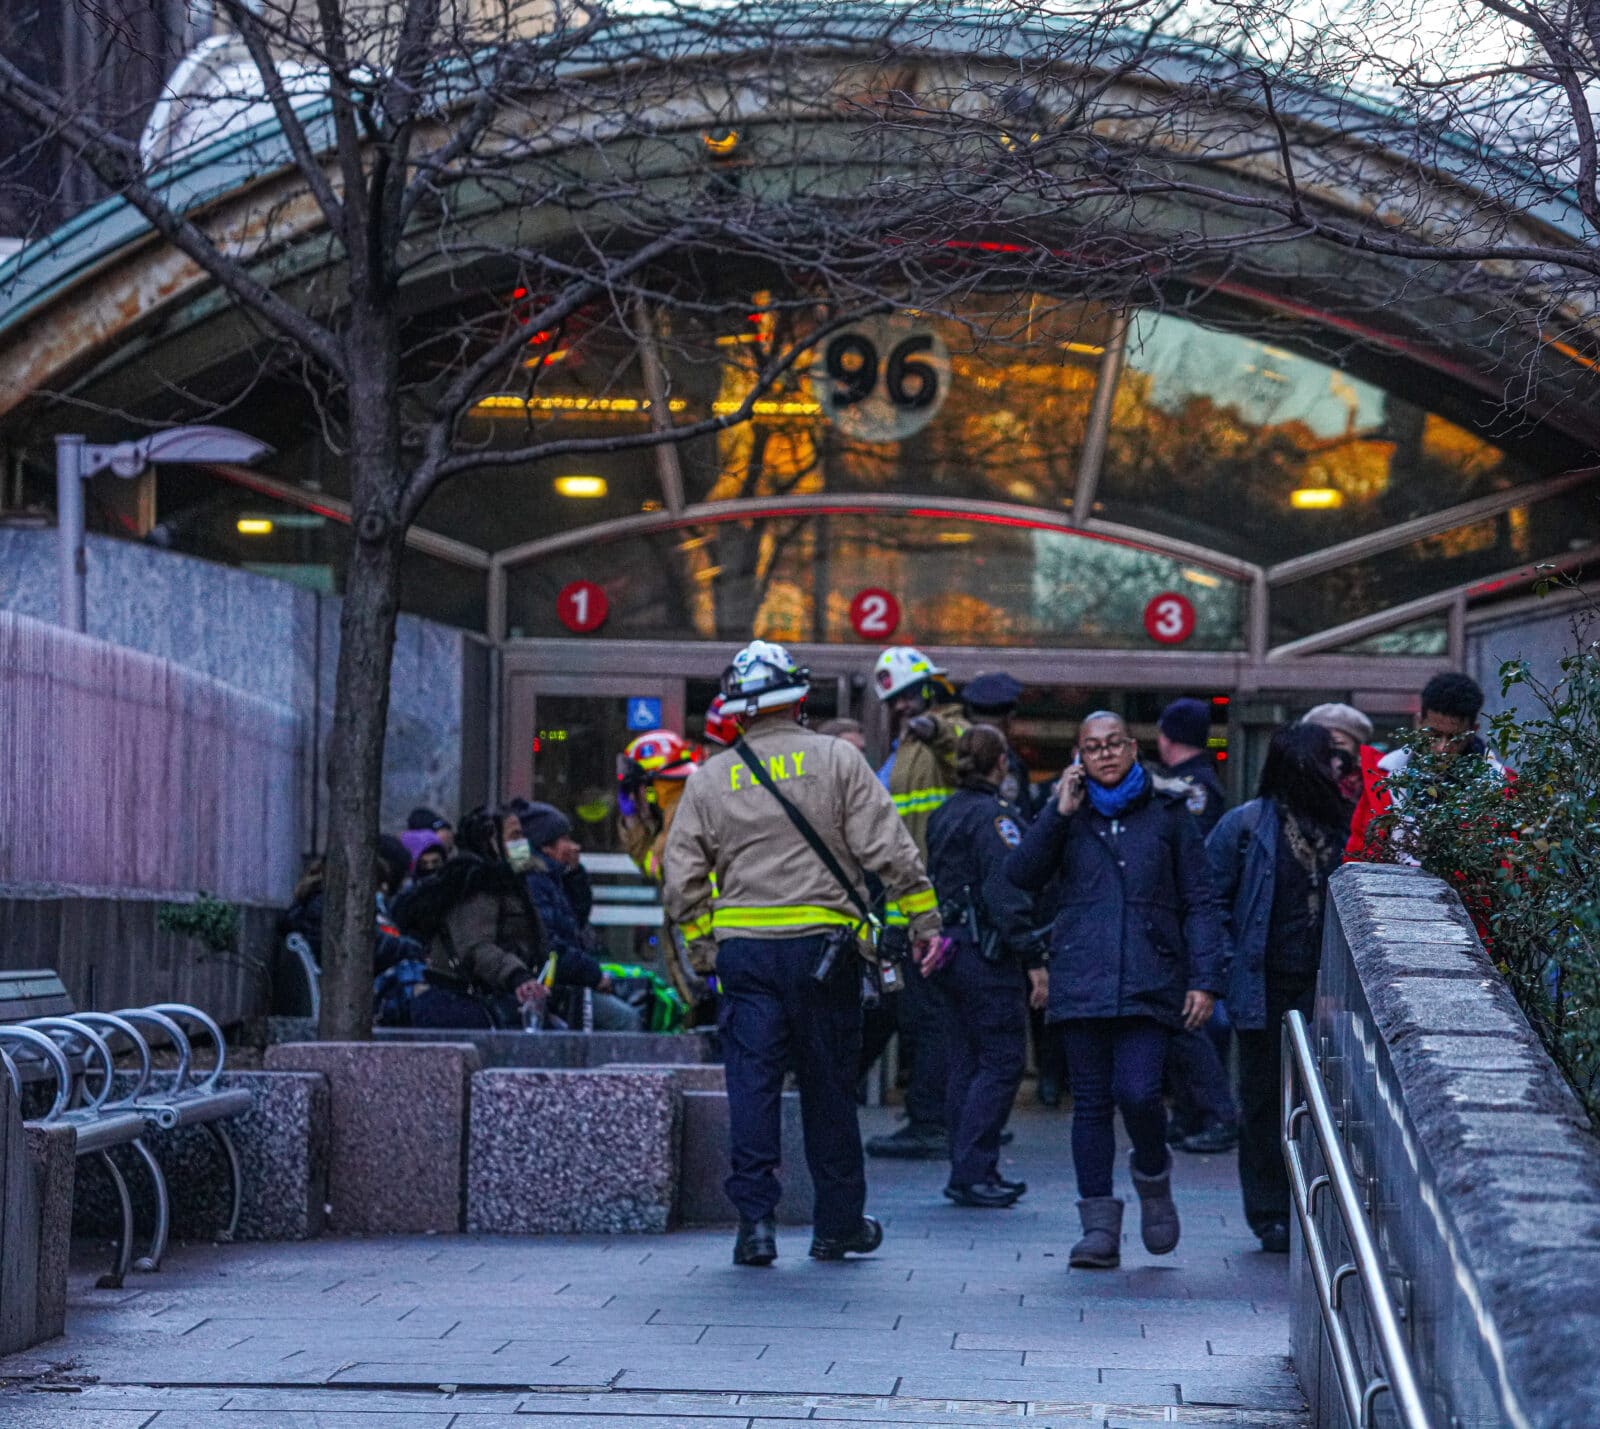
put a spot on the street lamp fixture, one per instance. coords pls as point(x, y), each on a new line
point(77, 460)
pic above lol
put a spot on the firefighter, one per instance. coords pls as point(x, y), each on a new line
point(652, 771)
point(922, 777)
point(785, 826)
point(996, 971)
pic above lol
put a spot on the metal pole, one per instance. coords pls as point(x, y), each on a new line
point(69, 529)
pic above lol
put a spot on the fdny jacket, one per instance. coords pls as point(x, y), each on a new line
point(1140, 920)
point(969, 839)
point(729, 833)
point(923, 776)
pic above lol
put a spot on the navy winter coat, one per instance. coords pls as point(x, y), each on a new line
point(1139, 921)
point(547, 892)
point(970, 837)
point(1243, 849)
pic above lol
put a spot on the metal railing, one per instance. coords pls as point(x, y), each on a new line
point(1394, 1375)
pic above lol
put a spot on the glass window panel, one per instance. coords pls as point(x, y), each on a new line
point(1009, 426)
point(1468, 553)
point(217, 521)
point(1420, 637)
point(1245, 446)
point(957, 582)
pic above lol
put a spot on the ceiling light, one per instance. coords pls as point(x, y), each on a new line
point(581, 486)
point(1202, 578)
point(720, 142)
point(1316, 498)
point(253, 526)
point(955, 538)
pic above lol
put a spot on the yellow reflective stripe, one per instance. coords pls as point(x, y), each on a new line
point(795, 915)
point(650, 863)
point(920, 801)
point(697, 927)
point(895, 917)
point(924, 901)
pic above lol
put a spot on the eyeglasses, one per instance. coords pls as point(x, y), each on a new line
point(1103, 746)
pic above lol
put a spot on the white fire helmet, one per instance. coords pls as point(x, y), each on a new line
point(763, 677)
point(901, 668)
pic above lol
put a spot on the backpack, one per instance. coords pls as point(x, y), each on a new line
point(420, 910)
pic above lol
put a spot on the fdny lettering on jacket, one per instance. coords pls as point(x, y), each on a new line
point(779, 766)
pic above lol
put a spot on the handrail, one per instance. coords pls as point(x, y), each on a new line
point(1397, 1377)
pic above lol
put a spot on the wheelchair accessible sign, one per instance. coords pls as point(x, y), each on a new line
point(644, 714)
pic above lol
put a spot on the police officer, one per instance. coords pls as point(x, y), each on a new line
point(1205, 1117)
point(785, 826)
point(992, 699)
point(1182, 733)
point(995, 972)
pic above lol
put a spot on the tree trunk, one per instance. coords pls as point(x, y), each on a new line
point(360, 716)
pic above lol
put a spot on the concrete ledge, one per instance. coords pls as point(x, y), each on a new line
point(35, 1173)
point(1487, 1172)
point(701, 1199)
point(571, 1151)
point(397, 1113)
point(564, 1049)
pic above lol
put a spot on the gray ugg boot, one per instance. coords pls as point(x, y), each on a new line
point(1101, 1246)
point(1158, 1215)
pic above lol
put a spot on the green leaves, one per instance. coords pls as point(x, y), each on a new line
point(1524, 852)
point(214, 921)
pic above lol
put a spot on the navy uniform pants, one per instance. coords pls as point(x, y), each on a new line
point(986, 1037)
point(775, 1015)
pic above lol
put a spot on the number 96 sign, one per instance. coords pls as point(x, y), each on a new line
point(882, 380)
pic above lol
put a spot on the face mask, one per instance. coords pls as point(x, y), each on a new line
point(519, 854)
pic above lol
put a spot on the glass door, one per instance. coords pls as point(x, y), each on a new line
point(564, 733)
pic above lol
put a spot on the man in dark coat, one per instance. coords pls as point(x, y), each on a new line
point(1205, 1117)
point(1138, 951)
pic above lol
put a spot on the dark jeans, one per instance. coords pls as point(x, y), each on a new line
point(917, 1014)
point(1262, 1175)
point(1049, 1049)
point(1197, 1073)
point(986, 1039)
point(1116, 1063)
point(774, 1015)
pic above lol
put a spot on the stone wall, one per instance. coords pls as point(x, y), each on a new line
point(280, 642)
point(1481, 1172)
point(267, 639)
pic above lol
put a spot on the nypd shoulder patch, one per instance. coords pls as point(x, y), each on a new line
point(1196, 800)
point(1009, 833)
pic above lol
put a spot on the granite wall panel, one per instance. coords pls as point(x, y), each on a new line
point(398, 1139)
point(571, 1152)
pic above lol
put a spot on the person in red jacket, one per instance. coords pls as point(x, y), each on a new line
point(1452, 704)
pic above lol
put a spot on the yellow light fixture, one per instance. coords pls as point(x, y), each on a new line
point(1316, 498)
point(954, 538)
point(1201, 578)
point(1085, 349)
point(720, 143)
point(581, 486)
point(253, 526)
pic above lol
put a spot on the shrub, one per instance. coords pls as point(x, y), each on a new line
point(1524, 852)
point(214, 921)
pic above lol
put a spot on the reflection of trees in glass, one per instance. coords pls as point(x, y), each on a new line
point(1214, 432)
point(1101, 590)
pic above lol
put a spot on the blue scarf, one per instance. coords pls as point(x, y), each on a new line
point(1116, 799)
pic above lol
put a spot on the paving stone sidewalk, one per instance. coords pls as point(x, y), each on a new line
point(964, 1318)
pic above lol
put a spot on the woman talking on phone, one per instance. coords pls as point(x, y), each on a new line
point(1138, 950)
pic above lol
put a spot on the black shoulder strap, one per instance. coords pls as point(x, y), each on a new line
point(803, 827)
